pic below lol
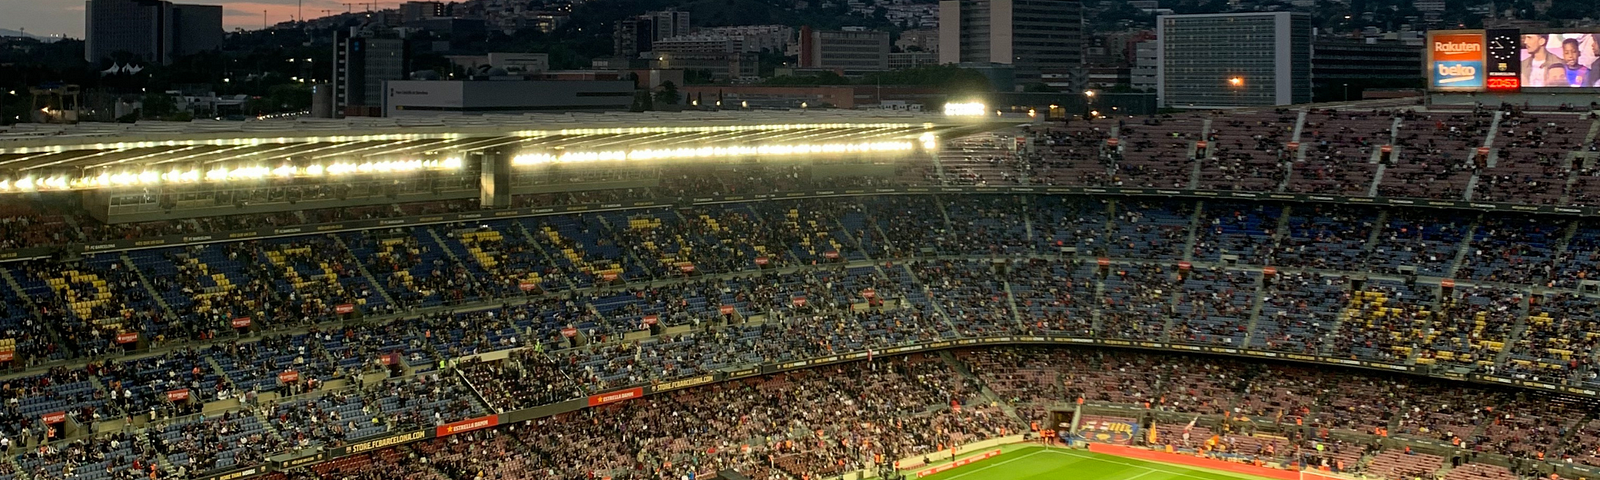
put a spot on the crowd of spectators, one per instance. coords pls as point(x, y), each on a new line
point(800, 303)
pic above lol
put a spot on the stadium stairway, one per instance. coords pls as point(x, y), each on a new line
point(519, 229)
point(856, 242)
point(1488, 142)
point(1194, 231)
point(1027, 220)
point(362, 267)
point(964, 371)
point(944, 213)
point(1465, 247)
point(928, 296)
point(148, 287)
point(1372, 238)
point(72, 226)
point(1576, 159)
point(938, 168)
point(1255, 306)
point(1299, 153)
point(650, 268)
point(1011, 299)
point(1517, 330)
point(439, 241)
point(1561, 443)
point(1197, 162)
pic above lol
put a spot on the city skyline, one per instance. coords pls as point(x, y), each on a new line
point(57, 17)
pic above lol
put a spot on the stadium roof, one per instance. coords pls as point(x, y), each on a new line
point(71, 153)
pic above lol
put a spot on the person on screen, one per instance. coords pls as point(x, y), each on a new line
point(1568, 73)
point(1539, 60)
point(1594, 48)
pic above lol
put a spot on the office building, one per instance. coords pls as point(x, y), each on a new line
point(195, 28)
point(699, 43)
point(755, 38)
point(668, 23)
point(904, 60)
point(153, 30)
point(414, 11)
point(851, 52)
point(1342, 68)
point(721, 65)
point(512, 63)
point(362, 61)
point(1233, 59)
point(633, 36)
point(413, 98)
point(1033, 36)
point(630, 38)
point(1146, 63)
point(926, 40)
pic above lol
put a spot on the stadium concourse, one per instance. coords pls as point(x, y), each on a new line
point(1356, 291)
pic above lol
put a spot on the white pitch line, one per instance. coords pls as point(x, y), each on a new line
point(1150, 471)
point(1169, 472)
point(970, 472)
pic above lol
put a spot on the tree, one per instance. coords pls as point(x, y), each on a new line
point(157, 105)
point(668, 94)
point(642, 102)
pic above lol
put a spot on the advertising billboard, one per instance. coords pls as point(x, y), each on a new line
point(1455, 61)
point(1559, 60)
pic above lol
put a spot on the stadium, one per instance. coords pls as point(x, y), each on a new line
point(1371, 290)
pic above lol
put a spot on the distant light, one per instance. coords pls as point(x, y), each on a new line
point(1089, 93)
point(971, 109)
point(1236, 81)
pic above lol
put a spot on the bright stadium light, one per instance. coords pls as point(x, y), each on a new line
point(708, 152)
point(220, 174)
point(970, 109)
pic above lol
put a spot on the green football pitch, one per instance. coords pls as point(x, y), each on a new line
point(1040, 463)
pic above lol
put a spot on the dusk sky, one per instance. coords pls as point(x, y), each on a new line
point(47, 17)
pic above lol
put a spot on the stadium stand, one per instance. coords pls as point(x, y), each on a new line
point(361, 334)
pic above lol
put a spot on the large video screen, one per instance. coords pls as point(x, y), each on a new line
point(1456, 61)
point(1560, 60)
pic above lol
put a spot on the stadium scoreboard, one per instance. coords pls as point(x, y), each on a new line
point(1510, 60)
